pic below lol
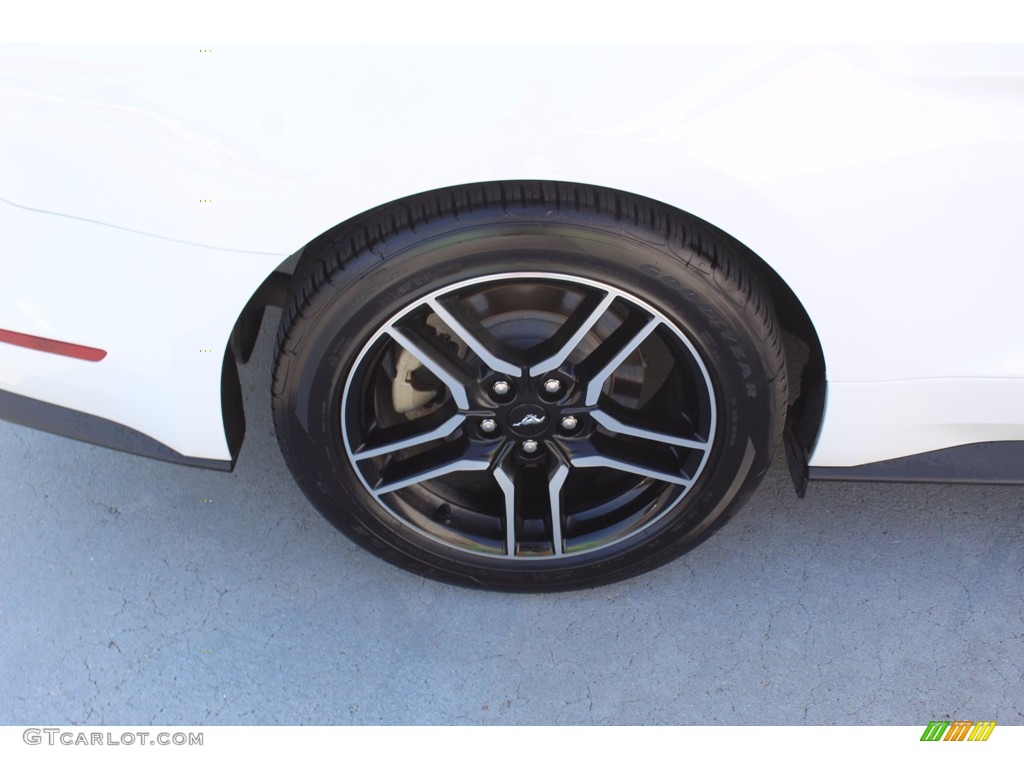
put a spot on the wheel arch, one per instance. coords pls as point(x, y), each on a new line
point(805, 363)
point(804, 353)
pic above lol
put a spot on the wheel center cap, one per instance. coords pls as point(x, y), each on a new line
point(527, 420)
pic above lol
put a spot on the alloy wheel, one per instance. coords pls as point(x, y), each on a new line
point(528, 415)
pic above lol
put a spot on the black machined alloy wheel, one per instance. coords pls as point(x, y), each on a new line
point(587, 412)
point(527, 385)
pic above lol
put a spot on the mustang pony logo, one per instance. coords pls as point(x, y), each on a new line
point(529, 420)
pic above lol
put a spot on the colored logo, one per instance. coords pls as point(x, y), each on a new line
point(958, 730)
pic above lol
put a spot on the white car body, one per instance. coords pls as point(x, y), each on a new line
point(149, 191)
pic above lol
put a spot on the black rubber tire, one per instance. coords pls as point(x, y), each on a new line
point(356, 276)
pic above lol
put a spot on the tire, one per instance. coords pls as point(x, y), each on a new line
point(527, 385)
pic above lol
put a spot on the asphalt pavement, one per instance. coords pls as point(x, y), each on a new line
point(138, 592)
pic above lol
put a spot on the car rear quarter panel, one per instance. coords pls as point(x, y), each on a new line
point(880, 183)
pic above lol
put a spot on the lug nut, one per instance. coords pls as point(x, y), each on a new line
point(501, 388)
point(488, 425)
point(552, 386)
point(569, 423)
point(530, 446)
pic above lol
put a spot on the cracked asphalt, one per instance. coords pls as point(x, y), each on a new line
point(127, 599)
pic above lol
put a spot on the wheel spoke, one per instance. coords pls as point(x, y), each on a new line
point(451, 457)
point(656, 462)
point(602, 362)
point(631, 467)
point(385, 441)
point(514, 500)
point(473, 340)
point(508, 487)
point(555, 500)
point(576, 328)
point(613, 424)
point(444, 365)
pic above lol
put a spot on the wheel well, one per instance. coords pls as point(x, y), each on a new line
point(805, 359)
point(805, 367)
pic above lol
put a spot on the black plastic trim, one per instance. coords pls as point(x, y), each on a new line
point(996, 463)
point(273, 292)
point(77, 425)
point(803, 421)
point(232, 410)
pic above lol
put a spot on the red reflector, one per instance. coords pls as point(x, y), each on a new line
point(56, 347)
